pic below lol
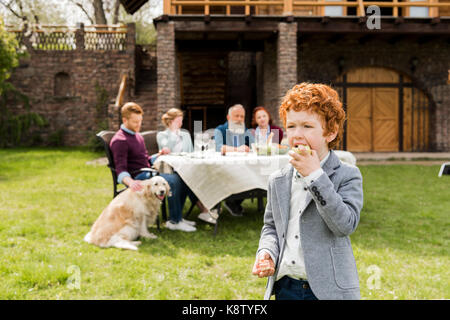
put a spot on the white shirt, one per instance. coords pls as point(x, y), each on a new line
point(293, 264)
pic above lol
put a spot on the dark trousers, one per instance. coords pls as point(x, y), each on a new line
point(292, 289)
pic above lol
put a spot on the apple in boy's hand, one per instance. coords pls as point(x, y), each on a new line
point(301, 147)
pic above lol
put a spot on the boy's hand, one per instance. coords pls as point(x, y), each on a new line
point(264, 266)
point(305, 162)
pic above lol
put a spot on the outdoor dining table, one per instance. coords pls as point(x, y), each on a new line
point(214, 177)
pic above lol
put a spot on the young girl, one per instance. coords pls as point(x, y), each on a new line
point(313, 205)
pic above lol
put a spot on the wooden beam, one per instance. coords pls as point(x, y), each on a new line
point(334, 38)
point(219, 45)
point(391, 26)
point(365, 38)
point(325, 20)
point(395, 39)
point(425, 39)
point(399, 20)
point(121, 93)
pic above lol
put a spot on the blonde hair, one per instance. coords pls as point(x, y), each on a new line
point(129, 108)
point(170, 115)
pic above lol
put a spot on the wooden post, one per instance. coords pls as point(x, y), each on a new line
point(167, 6)
point(288, 8)
point(361, 12)
point(433, 11)
point(79, 36)
point(395, 9)
point(207, 10)
point(247, 8)
point(120, 94)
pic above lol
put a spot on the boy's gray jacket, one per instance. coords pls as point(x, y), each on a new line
point(333, 206)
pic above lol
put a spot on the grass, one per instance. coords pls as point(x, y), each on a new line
point(49, 198)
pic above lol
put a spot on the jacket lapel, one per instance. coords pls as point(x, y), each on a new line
point(283, 184)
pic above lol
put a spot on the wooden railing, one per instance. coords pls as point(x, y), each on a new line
point(294, 7)
point(60, 37)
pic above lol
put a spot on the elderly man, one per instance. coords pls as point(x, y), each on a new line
point(232, 136)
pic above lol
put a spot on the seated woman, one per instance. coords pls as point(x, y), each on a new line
point(262, 125)
point(175, 140)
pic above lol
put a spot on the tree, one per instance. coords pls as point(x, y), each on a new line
point(9, 56)
point(97, 10)
point(70, 12)
point(27, 12)
point(13, 127)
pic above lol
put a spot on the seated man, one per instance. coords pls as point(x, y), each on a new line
point(232, 136)
point(130, 155)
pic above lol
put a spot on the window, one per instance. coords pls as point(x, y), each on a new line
point(63, 86)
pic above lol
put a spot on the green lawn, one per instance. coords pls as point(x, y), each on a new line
point(49, 198)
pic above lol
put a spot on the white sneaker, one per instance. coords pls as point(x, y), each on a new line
point(206, 216)
point(189, 222)
point(180, 226)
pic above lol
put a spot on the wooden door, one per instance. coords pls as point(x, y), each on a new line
point(372, 124)
point(359, 123)
point(385, 119)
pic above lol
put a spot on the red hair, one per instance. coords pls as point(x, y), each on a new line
point(320, 99)
point(260, 108)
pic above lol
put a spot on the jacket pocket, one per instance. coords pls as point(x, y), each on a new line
point(344, 267)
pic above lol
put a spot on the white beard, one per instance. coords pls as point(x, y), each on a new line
point(237, 128)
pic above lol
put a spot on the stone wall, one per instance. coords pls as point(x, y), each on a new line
point(93, 76)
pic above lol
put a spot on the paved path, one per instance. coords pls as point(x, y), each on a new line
point(415, 158)
point(404, 156)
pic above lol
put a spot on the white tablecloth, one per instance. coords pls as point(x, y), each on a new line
point(215, 177)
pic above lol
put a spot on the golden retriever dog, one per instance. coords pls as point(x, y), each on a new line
point(127, 216)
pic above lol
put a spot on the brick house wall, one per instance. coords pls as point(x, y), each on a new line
point(286, 59)
point(319, 59)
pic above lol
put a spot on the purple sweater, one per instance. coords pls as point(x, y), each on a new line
point(129, 152)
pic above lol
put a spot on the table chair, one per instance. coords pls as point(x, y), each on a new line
point(105, 137)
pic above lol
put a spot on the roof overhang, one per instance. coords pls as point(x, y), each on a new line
point(311, 25)
point(131, 6)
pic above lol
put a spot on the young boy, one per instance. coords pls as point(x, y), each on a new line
point(313, 205)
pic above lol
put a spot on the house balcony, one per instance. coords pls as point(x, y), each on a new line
point(318, 8)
